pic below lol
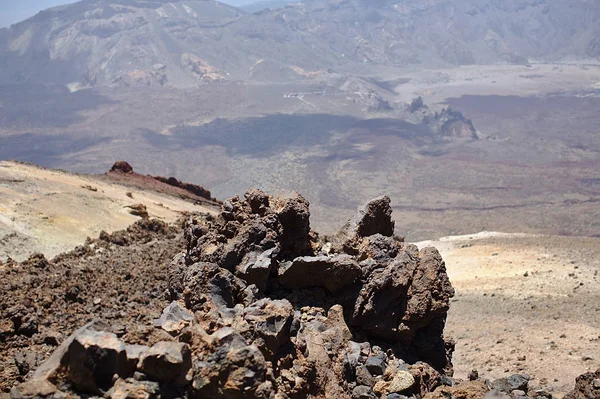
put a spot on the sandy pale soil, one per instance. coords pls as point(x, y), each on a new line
point(524, 303)
point(51, 211)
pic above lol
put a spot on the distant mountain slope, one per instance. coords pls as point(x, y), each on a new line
point(184, 42)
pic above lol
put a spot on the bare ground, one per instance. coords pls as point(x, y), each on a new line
point(524, 303)
point(50, 211)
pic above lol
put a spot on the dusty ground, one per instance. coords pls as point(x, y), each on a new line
point(120, 279)
point(524, 303)
point(50, 211)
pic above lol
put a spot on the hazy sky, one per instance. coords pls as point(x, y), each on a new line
point(12, 11)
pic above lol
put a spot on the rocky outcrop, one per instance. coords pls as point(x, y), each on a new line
point(262, 307)
point(587, 386)
point(192, 188)
point(451, 124)
point(124, 171)
point(121, 167)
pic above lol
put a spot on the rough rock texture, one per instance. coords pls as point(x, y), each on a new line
point(264, 308)
point(587, 386)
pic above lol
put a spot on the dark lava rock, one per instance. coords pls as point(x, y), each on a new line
point(264, 309)
point(587, 386)
point(363, 392)
point(167, 362)
point(93, 358)
point(330, 272)
point(174, 318)
point(509, 384)
point(364, 376)
point(376, 364)
point(121, 167)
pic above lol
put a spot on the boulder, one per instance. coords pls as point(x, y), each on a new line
point(364, 376)
point(330, 272)
point(174, 318)
point(206, 286)
point(509, 384)
point(232, 370)
point(266, 323)
point(293, 214)
point(363, 392)
point(377, 363)
point(587, 386)
point(256, 268)
point(374, 217)
point(133, 389)
point(167, 362)
point(121, 167)
point(93, 358)
point(399, 382)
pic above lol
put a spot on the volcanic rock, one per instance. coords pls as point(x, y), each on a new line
point(167, 362)
point(121, 167)
point(330, 272)
point(509, 384)
point(174, 318)
point(262, 309)
point(587, 386)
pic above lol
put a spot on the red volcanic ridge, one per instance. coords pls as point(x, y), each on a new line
point(123, 168)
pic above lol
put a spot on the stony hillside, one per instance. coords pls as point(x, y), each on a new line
point(187, 42)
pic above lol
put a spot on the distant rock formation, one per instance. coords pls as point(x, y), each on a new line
point(452, 124)
point(121, 167)
point(124, 168)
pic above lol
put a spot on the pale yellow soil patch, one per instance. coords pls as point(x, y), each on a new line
point(52, 211)
point(524, 304)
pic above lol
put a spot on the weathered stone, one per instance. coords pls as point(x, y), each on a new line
point(376, 364)
point(293, 214)
point(34, 388)
point(25, 361)
point(509, 384)
point(364, 377)
point(206, 287)
point(255, 268)
point(133, 389)
point(330, 272)
point(464, 390)
point(174, 318)
point(518, 394)
point(167, 362)
point(586, 387)
point(371, 218)
point(134, 353)
point(402, 381)
point(231, 371)
point(363, 392)
point(93, 358)
point(266, 323)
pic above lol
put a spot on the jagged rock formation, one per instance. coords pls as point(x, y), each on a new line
point(451, 124)
point(260, 307)
point(264, 308)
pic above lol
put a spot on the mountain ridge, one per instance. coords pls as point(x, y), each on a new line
point(184, 43)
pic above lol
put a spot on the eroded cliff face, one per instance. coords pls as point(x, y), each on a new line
point(262, 307)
